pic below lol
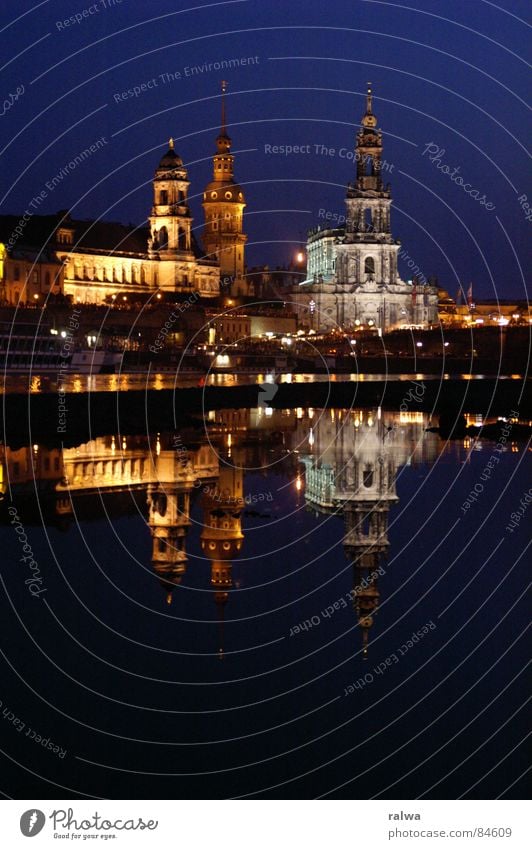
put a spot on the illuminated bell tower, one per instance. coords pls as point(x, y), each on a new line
point(170, 219)
point(223, 205)
point(221, 537)
point(367, 255)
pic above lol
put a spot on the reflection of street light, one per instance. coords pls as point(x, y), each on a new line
point(419, 344)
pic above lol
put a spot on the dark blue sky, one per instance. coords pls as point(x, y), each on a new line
point(447, 72)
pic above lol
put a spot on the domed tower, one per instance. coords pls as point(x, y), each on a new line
point(221, 537)
point(223, 205)
point(170, 219)
point(169, 519)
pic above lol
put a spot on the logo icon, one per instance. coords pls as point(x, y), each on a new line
point(32, 822)
point(267, 392)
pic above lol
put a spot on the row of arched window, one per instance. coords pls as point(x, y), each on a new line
point(117, 274)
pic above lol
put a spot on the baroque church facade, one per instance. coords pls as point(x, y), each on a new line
point(95, 262)
point(352, 271)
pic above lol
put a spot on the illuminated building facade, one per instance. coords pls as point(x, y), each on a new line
point(352, 272)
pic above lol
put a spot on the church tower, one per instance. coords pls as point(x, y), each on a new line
point(170, 220)
point(221, 537)
point(223, 205)
point(351, 469)
point(352, 271)
point(367, 256)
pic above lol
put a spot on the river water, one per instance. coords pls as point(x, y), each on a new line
point(291, 604)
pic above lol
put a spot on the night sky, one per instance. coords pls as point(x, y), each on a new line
point(445, 73)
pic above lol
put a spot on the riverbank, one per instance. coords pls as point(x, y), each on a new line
point(68, 418)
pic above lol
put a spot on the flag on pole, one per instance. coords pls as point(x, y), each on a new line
point(470, 295)
point(459, 296)
point(414, 293)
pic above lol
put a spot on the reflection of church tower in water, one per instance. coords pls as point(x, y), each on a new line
point(366, 507)
point(221, 537)
point(169, 518)
point(351, 467)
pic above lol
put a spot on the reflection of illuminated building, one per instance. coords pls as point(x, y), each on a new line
point(351, 465)
point(221, 537)
point(169, 518)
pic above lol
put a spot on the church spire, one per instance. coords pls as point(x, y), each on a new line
point(223, 131)
point(369, 99)
point(223, 141)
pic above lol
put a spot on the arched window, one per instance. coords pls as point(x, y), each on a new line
point(182, 239)
point(163, 238)
point(369, 265)
point(368, 477)
point(163, 197)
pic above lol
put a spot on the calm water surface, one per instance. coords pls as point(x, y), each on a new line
point(278, 604)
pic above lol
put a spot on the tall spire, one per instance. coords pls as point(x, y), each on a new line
point(223, 131)
point(369, 99)
point(369, 120)
point(223, 141)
